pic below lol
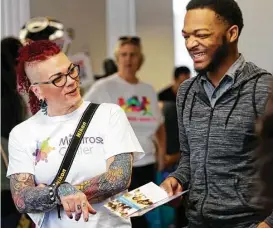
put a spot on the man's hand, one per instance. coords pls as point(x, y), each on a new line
point(172, 187)
point(263, 225)
point(76, 201)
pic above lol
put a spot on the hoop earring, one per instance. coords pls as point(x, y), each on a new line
point(43, 106)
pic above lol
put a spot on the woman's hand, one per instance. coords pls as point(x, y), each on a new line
point(76, 201)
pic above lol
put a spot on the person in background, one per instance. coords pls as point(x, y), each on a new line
point(12, 105)
point(139, 101)
point(167, 103)
point(12, 113)
point(217, 112)
point(172, 139)
point(109, 67)
point(172, 159)
point(180, 75)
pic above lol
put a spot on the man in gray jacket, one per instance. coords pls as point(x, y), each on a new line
point(217, 110)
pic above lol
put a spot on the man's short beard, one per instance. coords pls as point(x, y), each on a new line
point(218, 57)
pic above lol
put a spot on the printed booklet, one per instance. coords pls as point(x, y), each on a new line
point(139, 201)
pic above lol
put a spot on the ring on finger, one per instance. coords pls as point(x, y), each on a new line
point(79, 207)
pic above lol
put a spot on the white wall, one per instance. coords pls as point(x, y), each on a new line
point(182, 56)
point(14, 13)
point(120, 20)
point(154, 24)
point(256, 42)
point(86, 17)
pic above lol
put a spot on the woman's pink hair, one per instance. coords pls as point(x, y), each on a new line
point(34, 51)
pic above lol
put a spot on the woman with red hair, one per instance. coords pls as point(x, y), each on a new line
point(102, 166)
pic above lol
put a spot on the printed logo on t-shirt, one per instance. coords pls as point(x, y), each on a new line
point(86, 146)
point(42, 150)
point(135, 105)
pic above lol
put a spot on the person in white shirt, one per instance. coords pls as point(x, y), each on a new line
point(102, 166)
point(139, 101)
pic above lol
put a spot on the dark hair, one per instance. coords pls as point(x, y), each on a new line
point(227, 9)
point(9, 49)
point(109, 67)
point(12, 104)
point(181, 70)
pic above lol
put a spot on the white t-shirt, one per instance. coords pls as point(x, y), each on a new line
point(37, 146)
point(140, 103)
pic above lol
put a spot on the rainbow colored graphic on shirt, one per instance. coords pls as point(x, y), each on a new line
point(42, 150)
point(133, 104)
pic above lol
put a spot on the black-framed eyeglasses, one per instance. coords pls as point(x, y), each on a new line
point(61, 79)
point(130, 39)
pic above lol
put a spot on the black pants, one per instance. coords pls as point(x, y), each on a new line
point(140, 176)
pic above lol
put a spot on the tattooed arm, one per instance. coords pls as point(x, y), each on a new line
point(27, 197)
point(116, 179)
point(31, 199)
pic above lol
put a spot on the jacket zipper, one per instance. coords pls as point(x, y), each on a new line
point(205, 164)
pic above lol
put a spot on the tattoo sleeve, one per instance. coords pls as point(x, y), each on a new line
point(31, 199)
point(27, 197)
point(115, 180)
point(67, 189)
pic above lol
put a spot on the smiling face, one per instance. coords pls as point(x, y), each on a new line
point(208, 38)
point(57, 98)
